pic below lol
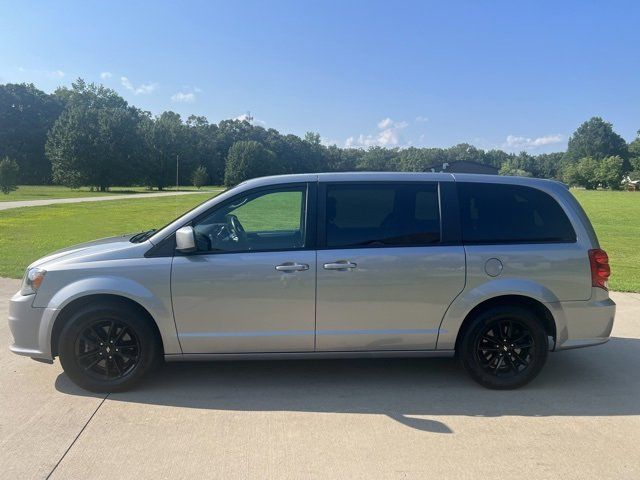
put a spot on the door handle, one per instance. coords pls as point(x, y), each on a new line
point(292, 267)
point(340, 265)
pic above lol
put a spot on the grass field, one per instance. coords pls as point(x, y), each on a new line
point(616, 219)
point(29, 233)
point(45, 192)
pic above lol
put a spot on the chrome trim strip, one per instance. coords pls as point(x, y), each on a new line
point(187, 357)
point(277, 333)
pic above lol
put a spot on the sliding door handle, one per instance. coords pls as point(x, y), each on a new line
point(340, 265)
point(292, 267)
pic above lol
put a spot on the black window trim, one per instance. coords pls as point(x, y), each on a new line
point(448, 205)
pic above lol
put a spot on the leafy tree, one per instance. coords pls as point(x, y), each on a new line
point(166, 147)
point(94, 141)
point(595, 138)
point(379, 159)
point(509, 168)
point(548, 165)
point(584, 173)
point(634, 156)
point(204, 148)
point(9, 172)
point(313, 138)
point(26, 115)
point(610, 172)
point(248, 159)
point(200, 177)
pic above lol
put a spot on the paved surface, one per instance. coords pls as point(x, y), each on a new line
point(52, 201)
point(418, 418)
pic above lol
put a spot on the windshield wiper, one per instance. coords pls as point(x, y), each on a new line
point(142, 236)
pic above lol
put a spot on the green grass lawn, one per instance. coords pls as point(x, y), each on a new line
point(28, 233)
point(45, 192)
point(616, 219)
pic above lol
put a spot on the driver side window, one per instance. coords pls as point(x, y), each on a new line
point(267, 220)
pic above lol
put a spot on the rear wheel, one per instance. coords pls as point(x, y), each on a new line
point(504, 347)
point(108, 347)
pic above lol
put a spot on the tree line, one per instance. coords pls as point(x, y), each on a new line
point(88, 135)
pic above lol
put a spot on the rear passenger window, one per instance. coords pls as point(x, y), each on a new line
point(382, 215)
point(494, 213)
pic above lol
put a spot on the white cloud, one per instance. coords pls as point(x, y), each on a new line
point(388, 136)
point(328, 142)
point(516, 141)
point(421, 119)
point(251, 119)
point(106, 75)
point(184, 97)
point(142, 89)
point(55, 74)
point(385, 123)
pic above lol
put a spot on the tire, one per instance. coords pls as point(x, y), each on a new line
point(504, 347)
point(108, 347)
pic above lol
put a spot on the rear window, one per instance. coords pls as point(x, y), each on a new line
point(382, 215)
point(494, 213)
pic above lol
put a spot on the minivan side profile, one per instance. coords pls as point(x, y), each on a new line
point(495, 270)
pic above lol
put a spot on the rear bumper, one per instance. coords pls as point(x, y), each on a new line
point(30, 327)
point(583, 324)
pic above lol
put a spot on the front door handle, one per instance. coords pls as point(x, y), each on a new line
point(340, 265)
point(292, 267)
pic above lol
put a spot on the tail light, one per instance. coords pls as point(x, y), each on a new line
point(600, 270)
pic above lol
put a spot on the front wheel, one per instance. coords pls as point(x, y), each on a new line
point(108, 347)
point(504, 347)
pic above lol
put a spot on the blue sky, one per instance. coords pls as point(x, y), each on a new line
point(512, 75)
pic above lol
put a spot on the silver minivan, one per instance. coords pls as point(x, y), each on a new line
point(495, 270)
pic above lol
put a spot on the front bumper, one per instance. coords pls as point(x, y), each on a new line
point(583, 324)
point(30, 327)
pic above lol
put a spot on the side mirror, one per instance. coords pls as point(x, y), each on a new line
point(186, 240)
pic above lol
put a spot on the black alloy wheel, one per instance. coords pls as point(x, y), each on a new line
point(107, 349)
point(108, 346)
point(503, 347)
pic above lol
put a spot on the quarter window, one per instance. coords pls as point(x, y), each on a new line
point(370, 215)
point(494, 213)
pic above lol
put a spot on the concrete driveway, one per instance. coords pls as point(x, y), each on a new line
point(413, 418)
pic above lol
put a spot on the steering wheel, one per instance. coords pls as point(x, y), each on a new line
point(237, 229)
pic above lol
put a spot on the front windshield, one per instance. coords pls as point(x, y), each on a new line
point(145, 235)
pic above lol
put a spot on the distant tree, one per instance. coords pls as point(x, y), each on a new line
point(200, 176)
point(549, 165)
point(26, 115)
point(94, 141)
point(165, 145)
point(634, 155)
point(9, 172)
point(337, 159)
point(204, 148)
point(509, 168)
point(248, 159)
point(379, 159)
point(584, 173)
point(312, 137)
point(595, 138)
point(610, 172)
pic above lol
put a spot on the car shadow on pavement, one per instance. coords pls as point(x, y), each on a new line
point(599, 381)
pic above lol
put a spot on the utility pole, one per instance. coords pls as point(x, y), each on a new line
point(177, 170)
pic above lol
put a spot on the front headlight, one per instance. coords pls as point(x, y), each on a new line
point(32, 281)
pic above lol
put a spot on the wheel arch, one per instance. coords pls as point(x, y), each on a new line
point(77, 304)
point(540, 309)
